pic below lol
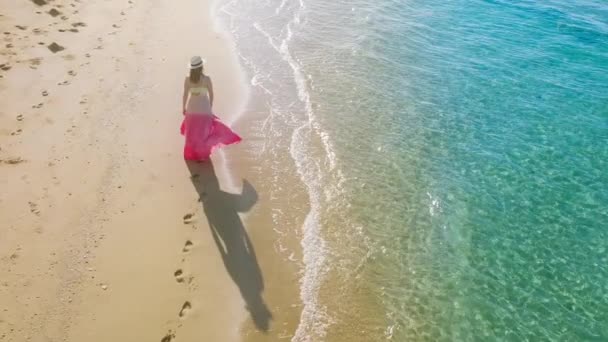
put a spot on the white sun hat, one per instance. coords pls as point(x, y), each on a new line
point(196, 62)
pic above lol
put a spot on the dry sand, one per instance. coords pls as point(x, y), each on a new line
point(104, 231)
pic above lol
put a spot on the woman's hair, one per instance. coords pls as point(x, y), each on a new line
point(195, 74)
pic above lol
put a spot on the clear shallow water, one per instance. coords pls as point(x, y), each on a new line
point(455, 155)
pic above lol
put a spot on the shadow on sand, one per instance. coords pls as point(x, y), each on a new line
point(221, 209)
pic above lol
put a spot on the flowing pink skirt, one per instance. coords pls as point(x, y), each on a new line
point(205, 132)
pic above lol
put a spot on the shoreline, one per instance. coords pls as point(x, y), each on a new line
point(281, 271)
point(286, 135)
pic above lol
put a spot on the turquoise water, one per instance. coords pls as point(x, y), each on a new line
point(456, 158)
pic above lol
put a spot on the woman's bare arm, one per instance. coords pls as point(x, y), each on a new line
point(185, 96)
point(210, 88)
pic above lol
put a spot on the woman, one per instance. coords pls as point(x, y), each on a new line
point(203, 130)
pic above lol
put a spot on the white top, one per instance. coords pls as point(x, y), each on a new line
point(198, 98)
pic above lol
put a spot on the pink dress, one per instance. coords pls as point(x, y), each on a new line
point(205, 132)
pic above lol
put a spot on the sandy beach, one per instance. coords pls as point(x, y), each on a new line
point(105, 233)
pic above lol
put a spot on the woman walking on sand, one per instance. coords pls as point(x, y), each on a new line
point(202, 129)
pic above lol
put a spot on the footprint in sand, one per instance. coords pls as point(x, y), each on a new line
point(179, 276)
point(38, 106)
point(185, 309)
point(53, 12)
point(168, 337)
point(54, 47)
point(20, 117)
point(34, 208)
point(189, 218)
point(187, 246)
point(13, 161)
